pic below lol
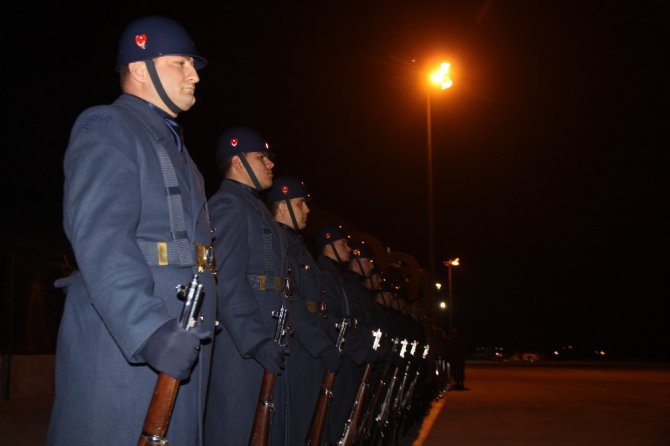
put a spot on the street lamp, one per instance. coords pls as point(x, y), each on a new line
point(450, 296)
point(440, 78)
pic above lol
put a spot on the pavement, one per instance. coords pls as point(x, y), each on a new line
point(507, 405)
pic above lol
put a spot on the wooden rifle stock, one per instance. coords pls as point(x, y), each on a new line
point(160, 410)
point(321, 409)
point(260, 430)
point(158, 415)
point(350, 433)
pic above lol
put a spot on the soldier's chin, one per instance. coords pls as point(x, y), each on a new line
point(186, 102)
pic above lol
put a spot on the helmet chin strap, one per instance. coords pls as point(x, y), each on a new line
point(159, 87)
point(250, 172)
point(337, 256)
point(290, 211)
point(360, 266)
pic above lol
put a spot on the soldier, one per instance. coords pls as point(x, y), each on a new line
point(332, 242)
point(251, 251)
point(363, 280)
point(133, 246)
point(313, 351)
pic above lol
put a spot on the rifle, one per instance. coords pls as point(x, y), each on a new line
point(407, 400)
point(158, 415)
point(321, 409)
point(260, 430)
point(385, 408)
point(351, 426)
point(406, 405)
point(393, 425)
point(369, 416)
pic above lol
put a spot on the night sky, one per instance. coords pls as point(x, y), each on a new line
point(549, 153)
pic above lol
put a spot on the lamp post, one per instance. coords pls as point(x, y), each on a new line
point(442, 79)
point(450, 295)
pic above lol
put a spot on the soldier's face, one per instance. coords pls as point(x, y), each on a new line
point(301, 211)
point(262, 168)
point(368, 265)
point(343, 249)
point(178, 76)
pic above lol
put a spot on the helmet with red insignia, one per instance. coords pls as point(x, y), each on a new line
point(285, 188)
point(361, 250)
point(155, 36)
point(329, 234)
point(239, 140)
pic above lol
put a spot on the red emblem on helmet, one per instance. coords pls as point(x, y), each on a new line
point(327, 235)
point(233, 142)
point(284, 189)
point(357, 252)
point(141, 41)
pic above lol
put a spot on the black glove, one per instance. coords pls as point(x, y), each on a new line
point(371, 356)
point(331, 358)
point(271, 356)
point(173, 350)
point(392, 358)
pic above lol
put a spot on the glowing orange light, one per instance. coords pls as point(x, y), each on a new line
point(452, 262)
point(442, 77)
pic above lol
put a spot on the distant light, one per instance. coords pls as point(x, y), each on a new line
point(452, 262)
point(438, 285)
point(443, 305)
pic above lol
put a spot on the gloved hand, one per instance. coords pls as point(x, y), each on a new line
point(331, 358)
point(173, 350)
point(371, 356)
point(271, 356)
point(393, 358)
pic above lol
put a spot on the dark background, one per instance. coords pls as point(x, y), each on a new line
point(550, 151)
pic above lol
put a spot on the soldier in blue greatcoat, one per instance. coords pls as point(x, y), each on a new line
point(332, 243)
point(135, 214)
point(313, 352)
point(251, 259)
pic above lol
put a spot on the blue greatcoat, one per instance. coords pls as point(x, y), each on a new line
point(248, 243)
point(114, 197)
point(309, 338)
point(341, 305)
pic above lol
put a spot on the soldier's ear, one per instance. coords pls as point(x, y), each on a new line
point(283, 207)
point(138, 71)
point(237, 163)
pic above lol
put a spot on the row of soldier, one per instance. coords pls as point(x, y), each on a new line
point(341, 321)
point(271, 345)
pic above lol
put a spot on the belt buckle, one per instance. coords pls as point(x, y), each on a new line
point(205, 257)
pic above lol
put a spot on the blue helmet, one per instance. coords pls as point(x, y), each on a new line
point(361, 250)
point(330, 234)
point(155, 36)
point(285, 188)
point(238, 140)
